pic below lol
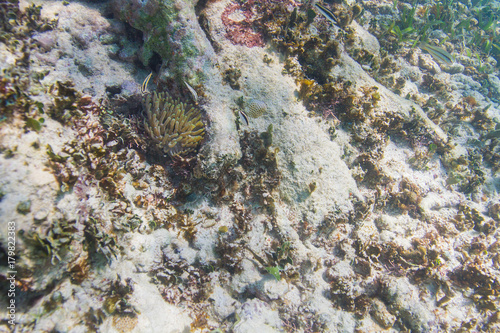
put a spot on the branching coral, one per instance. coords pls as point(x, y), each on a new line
point(175, 128)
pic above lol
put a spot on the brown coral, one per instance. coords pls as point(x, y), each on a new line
point(175, 128)
point(124, 323)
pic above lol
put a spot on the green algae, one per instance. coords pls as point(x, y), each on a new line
point(164, 32)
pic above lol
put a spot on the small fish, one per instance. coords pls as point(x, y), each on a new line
point(437, 52)
point(192, 91)
point(245, 117)
point(144, 87)
point(256, 108)
point(326, 13)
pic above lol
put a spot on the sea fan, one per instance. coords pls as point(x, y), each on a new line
point(174, 128)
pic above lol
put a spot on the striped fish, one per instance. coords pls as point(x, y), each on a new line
point(192, 91)
point(245, 117)
point(144, 87)
point(437, 52)
point(326, 13)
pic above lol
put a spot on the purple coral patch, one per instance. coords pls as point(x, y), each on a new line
point(241, 32)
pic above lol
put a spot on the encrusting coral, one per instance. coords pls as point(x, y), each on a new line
point(242, 32)
point(176, 129)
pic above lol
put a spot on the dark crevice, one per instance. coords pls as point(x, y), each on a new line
point(200, 6)
point(155, 62)
point(133, 34)
point(113, 90)
point(205, 23)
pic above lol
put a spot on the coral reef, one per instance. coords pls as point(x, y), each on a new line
point(360, 195)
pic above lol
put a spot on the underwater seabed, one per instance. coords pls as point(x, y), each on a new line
point(287, 166)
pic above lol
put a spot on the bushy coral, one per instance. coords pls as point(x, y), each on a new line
point(175, 128)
